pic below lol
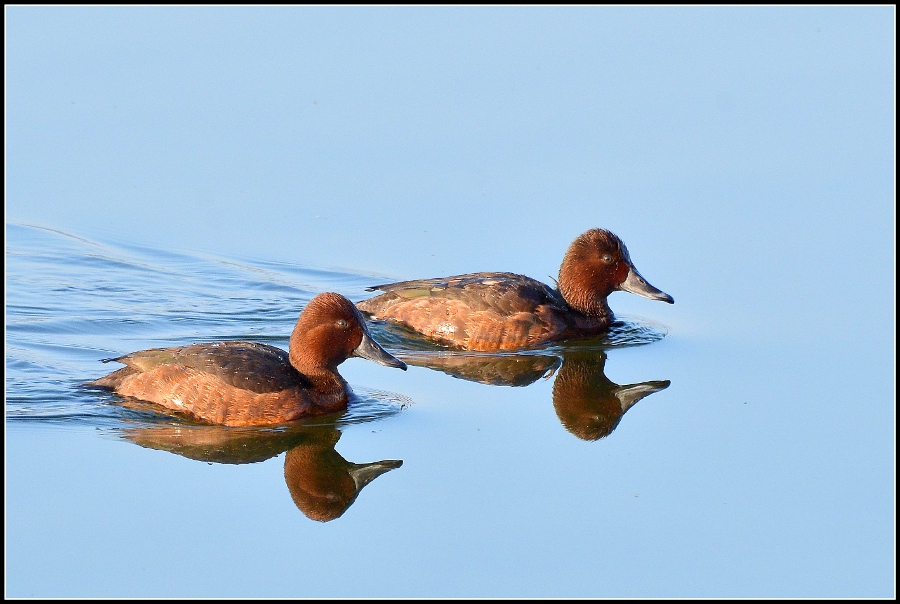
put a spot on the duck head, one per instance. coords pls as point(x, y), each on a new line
point(597, 264)
point(329, 331)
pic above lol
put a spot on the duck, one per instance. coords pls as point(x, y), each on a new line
point(493, 312)
point(251, 384)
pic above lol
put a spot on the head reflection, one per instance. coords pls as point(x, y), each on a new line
point(587, 403)
point(322, 484)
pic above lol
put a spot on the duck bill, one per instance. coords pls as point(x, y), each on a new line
point(629, 395)
point(636, 284)
point(372, 350)
point(363, 474)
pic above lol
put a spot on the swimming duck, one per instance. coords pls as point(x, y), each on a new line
point(251, 384)
point(505, 311)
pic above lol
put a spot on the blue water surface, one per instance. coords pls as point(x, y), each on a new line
point(187, 174)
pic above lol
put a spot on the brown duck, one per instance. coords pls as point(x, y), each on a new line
point(506, 311)
point(252, 384)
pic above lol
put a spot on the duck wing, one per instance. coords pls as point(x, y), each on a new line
point(503, 293)
point(259, 368)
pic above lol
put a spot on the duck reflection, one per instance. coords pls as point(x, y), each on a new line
point(587, 403)
point(322, 483)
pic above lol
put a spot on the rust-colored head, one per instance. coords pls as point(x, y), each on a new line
point(329, 331)
point(597, 264)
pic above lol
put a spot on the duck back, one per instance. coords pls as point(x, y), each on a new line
point(231, 383)
point(476, 311)
point(259, 368)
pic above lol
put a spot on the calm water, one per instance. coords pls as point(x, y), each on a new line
point(522, 476)
point(183, 175)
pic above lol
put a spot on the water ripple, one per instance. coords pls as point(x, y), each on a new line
point(71, 302)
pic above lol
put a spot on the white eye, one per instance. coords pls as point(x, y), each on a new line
point(607, 258)
point(341, 323)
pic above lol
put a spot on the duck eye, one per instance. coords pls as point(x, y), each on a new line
point(607, 258)
point(341, 323)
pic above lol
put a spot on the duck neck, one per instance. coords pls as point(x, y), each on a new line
point(324, 380)
point(580, 294)
point(322, 373)
point(329, 391)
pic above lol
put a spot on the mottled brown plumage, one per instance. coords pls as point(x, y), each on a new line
point(506, 311)
point(250, 384)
